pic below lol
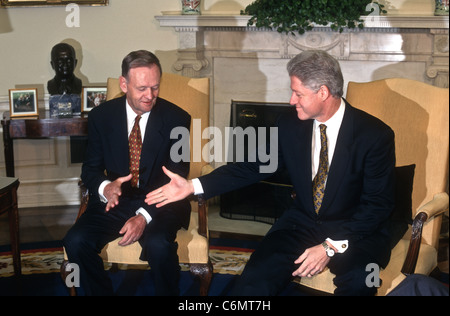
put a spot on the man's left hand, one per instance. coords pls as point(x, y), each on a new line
point(132, 230)
point(312, 262)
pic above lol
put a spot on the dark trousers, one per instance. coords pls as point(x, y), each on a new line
point(95, 228)
point(270, 267)
point(420, 285)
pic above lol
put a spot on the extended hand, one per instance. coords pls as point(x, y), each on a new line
point(113, 191)
point(177, 189)
point(312, 262)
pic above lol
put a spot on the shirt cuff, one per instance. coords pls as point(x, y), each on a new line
point(101, 188)
point(198, 188)
point(340, 245)
point(144, 213)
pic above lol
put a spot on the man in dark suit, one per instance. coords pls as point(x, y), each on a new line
point(346, 155)
point(129, 142)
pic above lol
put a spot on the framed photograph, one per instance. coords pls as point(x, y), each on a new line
point(38, 3)
point(23, 102)
point(92, 97)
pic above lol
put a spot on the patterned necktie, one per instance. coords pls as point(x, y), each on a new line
point(135, 147)
point(322, 173)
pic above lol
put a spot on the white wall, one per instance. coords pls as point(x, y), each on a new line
point(105, 36)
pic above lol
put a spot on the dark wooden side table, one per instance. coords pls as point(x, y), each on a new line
point(40, 127)
point(8, 203)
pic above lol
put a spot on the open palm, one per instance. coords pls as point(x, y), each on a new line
point(177, 189)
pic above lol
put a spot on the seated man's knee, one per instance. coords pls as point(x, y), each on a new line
point(355, 283)
point(158, 248)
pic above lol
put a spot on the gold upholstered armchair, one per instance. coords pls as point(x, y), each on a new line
point(419, 115)
point(193, 244)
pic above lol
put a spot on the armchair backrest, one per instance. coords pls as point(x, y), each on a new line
point(190, 94)
point(419, 115)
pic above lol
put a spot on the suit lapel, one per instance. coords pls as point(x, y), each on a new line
point(150, 148)
point(119, 133)
point(341, 158)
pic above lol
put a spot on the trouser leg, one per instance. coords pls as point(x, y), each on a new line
point(160, 250)
point(270, 267)
point(351, 275)
point(83, 243)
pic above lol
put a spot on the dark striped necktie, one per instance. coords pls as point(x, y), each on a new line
point(322, 173)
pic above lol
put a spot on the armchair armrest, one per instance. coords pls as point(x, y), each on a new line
point(207, 169)
point(202, 207)
point(202, 217)
point(84, 198)
point(434, 208)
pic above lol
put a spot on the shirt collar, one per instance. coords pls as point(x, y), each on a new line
point(131, 115)
point(335, 121)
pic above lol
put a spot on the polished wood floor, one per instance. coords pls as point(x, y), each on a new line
point(52, 223)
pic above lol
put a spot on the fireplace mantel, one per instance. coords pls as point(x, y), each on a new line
point(423, 39)
point(172, 19)
point(249, 63)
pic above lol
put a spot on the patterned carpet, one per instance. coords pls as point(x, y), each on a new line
point(226, 260)
point(41, 272)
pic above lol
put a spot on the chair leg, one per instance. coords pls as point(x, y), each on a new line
point(64, 275)
point(204, 273)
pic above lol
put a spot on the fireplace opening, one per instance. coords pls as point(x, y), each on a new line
point(264, 201)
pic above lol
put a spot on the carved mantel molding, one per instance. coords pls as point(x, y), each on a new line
point(420, 39)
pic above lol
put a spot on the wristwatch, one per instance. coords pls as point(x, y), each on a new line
point(330, 252)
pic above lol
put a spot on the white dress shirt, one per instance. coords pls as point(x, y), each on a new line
point(333, 126)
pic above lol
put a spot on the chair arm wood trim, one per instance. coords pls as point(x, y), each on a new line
point(434, 208)
point(84, 198)
point(409, 265)
point(202, 217)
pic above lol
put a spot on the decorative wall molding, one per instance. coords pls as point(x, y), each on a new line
point(425, 39)
point(224, 21)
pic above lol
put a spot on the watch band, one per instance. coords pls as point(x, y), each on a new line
point(330, 252)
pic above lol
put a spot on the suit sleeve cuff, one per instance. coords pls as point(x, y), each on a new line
point(101, 188)
point(340, 245)
point(198, 188)
point(144, 213)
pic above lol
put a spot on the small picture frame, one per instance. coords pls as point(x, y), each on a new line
point(23, 102)
point(92, 97)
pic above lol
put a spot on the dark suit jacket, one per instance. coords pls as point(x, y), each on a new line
point(107, 156)
point(359, 195)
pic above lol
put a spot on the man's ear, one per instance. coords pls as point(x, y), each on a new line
point(123, 84)
point(324, 92)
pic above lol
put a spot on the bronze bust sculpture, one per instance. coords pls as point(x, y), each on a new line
point(63, 61)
